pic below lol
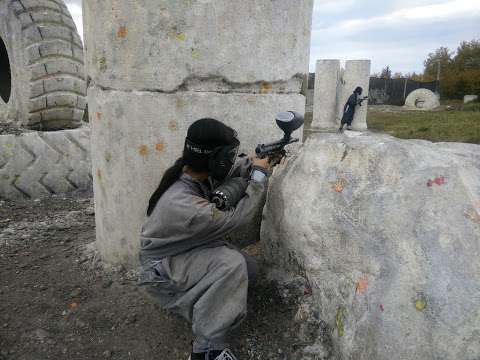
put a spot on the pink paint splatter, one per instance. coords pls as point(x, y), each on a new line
point(381, 308)
point(440, 180)
point(307, 290)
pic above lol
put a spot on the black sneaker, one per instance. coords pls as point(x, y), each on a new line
point(226, 354)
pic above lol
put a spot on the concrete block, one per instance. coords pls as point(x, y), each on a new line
point(137, 135)
point(422, 99)
point(327, 76)
point(356, 73)
point(386, 233)
point(470, 98)
point(159, 44)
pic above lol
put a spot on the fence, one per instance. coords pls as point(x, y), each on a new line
point(389, 91)
point(395, 91)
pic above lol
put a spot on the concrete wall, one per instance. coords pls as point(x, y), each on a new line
point(156, 66)
point(325, 104)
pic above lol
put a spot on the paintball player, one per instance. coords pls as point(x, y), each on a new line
point(185, 263)
point(349, 108)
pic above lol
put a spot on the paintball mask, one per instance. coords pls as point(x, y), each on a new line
point(217, 160)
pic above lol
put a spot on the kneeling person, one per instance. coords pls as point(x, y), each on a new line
point(186, 264)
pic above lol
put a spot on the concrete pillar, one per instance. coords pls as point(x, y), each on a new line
point(158, 65)
point(327, 74)
point(357, 73)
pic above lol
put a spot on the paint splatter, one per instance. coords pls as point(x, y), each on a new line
point(339, 185)
point(265, 87)
point(362, 285)
point(99, 174)
point(180, 37)
point(195, 54)
point(440, 180)
point(143, 150)
point(122, 32)
point(160, 147)
point(73, 306)
point(308, 290)
point(8, 146)
point(103, 64)
point(108, 156)
point(472, 215)
point(420, 304)
point(98, 115)
point(339, 320)
point(172, 125)
point(381, 308)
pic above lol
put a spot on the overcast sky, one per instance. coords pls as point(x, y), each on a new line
point(399, 33)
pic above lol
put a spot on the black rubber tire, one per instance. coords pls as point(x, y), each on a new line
point(48, 90)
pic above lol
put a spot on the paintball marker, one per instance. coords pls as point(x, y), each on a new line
point(228, 194)
point(288, 121)
point(362, 100)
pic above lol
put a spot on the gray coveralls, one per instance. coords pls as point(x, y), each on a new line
point(188, 267)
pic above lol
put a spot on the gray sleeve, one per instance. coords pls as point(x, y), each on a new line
point(211, 223)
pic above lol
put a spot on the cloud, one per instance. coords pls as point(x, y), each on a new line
point(401, 37)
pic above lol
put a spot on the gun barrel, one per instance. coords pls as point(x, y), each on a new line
point(270, 148)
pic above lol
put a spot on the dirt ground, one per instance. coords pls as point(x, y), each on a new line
point(59, 302)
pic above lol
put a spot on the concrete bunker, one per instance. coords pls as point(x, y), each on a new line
point(5, 73)
point(422, 99)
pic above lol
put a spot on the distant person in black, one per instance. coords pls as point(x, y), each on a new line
point(349, 108)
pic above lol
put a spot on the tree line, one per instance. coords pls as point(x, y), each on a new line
point(459, 71)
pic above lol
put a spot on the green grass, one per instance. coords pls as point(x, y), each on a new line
point(456, 125)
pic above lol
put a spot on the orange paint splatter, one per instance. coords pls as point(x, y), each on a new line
point(98, 115)
point(143, 150)
point(265, 87)
point(99, 174)
point(73, 306)
point(172, 125)
point(339, 185)
point(362, 286)
point(472, 215)
point(122, 32)
point(160, 147)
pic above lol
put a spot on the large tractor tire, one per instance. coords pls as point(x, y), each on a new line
point(42, 78)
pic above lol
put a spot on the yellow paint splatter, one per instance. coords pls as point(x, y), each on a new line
point(180, 37)
point(160, 147)
point(122, 32)
point(108, 156)
point(103, 64)
point(180, 103)
point(339, 320)
point(172, 125)
point(265, 87)
point(420, 304)
point(143, 150)
point(195, 54)
point(8, 145)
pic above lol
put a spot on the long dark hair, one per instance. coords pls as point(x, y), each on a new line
point(206, 132)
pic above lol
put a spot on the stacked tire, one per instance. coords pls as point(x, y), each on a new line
point(48, 88)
